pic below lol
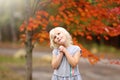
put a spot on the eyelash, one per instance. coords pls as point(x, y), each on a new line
point(54, 37)
point(57, 34)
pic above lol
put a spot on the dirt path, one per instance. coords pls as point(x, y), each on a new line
point(99, 71)
point(88, 72)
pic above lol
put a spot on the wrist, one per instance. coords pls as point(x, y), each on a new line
point(61, 53)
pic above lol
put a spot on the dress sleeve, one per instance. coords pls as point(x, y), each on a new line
point(78, 49)
point(55, 52)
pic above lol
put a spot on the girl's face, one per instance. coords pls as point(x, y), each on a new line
point(59, 37)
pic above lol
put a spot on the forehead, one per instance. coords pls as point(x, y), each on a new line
point(56, 31)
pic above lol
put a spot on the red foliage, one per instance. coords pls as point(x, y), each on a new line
point(80, 15)
point(87, 54)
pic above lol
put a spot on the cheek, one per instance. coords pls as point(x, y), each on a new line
point(55, 40)
point(65, 38)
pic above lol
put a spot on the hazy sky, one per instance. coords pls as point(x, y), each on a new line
point(8, 7)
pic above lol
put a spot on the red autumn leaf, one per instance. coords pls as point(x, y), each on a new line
point(62, 8)
point(67, 22)
point(38, 16)
point(106, 38)
point(55, 23)
point(22, 28)
point(89, 37)
point(29, 28)
point(51, 18)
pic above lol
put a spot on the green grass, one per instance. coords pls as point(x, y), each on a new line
point(104, 49)
point(8, 63)
point(6, 73)
point(10, 59)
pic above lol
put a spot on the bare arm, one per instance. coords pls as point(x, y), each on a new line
point(73, 60)
point(56, 60)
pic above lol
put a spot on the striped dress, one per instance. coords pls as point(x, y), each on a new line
point(65, 71)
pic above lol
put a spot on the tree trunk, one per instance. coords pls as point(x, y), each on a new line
point(29, 49)
point(28, 43)
point(0, 34)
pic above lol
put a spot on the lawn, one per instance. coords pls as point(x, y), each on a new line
point(6, 73)
point(11, 68)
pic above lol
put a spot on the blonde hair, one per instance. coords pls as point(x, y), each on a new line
point(61, 29)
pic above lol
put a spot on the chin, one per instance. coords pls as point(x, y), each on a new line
point(62, 43)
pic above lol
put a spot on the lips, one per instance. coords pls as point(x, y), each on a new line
point(59, 40)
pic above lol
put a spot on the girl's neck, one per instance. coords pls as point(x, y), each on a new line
point(66, 46)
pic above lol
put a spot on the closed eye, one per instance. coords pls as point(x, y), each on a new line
point(54, 37)
point(58, 33)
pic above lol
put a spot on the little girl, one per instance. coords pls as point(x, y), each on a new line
point(65, 55)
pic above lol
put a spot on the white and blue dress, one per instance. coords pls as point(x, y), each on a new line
point(65, 71)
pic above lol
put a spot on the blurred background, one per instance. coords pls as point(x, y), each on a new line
point(12, 51)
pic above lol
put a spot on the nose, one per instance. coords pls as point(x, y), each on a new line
point(57, 37)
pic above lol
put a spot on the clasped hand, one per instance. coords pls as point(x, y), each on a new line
point(62, 49)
